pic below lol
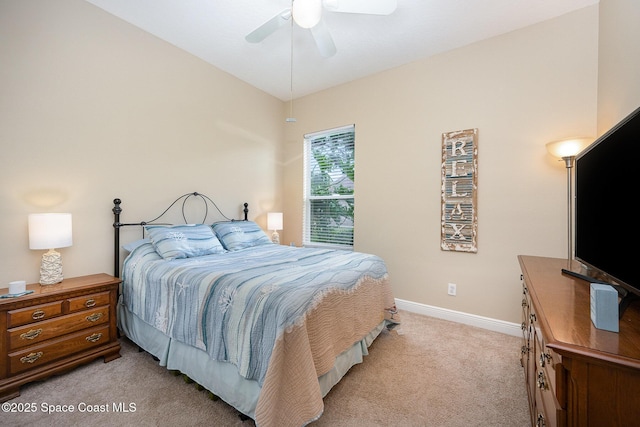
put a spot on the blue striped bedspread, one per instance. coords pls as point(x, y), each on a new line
point(235, 305)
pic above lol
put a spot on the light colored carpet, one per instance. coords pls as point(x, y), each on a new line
point(427, 372)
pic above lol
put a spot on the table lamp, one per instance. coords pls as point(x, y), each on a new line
point(49, 231)
point(274, 223)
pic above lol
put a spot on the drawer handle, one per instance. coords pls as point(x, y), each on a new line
point(540, 421)
point(31, 357)
point(542, 383)
point(38, 314)
point(94, 338)
point(33, 333)
point(544, 358)
point(94, 317)
point(90, 303)
point(524, 302)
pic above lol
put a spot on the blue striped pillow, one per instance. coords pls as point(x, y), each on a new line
point(183, 241)
point(236, 235)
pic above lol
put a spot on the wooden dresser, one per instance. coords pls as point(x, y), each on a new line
point(56, 328)
point(576, 374)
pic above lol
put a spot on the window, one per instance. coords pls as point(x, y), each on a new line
point(329, 177)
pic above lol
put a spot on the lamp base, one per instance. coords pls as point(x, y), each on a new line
point(51, 268)
point(275, 237)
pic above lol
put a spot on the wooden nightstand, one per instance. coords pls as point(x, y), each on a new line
point(56, 328)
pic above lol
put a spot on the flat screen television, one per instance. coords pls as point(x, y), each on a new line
point(607, 232)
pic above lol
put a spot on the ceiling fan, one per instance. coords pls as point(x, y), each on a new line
point(308, 14)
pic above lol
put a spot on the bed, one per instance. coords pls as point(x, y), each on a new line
point(268, 328)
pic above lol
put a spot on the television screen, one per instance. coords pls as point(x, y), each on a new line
point(607, 237)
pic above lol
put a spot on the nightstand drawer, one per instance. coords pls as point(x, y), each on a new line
point(38, 355)
point(40, 331)
point(88, 301)
point(33, 314)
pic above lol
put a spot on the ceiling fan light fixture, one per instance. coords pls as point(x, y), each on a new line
point(307, 13)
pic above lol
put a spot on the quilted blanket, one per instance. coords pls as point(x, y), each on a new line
point(250, 306)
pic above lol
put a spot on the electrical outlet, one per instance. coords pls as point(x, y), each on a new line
point(451, 289)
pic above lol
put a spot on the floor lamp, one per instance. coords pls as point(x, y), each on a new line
point(567, 150)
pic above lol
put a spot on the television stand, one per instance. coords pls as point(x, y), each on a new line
point(575, 373)
point(625, 301)
point(626, 297)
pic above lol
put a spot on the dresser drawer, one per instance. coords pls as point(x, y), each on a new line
point(39, 355)
point(548, 362)
point(88, 301)
point(548, 411)
point(59, 326)
point(33, 314)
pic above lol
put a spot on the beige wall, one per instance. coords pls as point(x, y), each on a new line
point(520, 90)
point(92, 108)
point(619, 61)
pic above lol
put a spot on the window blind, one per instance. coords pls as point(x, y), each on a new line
point(329, 173)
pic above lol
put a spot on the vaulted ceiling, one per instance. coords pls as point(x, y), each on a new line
point(215, 30)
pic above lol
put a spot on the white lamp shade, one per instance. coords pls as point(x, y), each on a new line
point(307, 13)
point(50, 230)
point(568, 147)
point(274, 220)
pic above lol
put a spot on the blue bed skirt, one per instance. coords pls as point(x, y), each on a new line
point(222, 378)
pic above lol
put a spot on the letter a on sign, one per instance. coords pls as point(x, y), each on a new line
point(459, 222)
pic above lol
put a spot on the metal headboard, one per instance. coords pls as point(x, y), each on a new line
point(117, 210)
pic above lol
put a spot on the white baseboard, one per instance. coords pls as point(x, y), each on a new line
point(460, 317)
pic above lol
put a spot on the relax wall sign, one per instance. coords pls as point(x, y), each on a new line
point(459, 223)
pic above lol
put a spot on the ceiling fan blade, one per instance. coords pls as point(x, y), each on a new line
point(369, 7)
point(323, 39)
point(269, 27)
